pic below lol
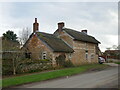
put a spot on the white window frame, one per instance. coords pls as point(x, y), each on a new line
point(92, 55)
point(86, 55)
point(44, 55)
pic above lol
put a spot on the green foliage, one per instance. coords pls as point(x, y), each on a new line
point(10, 35)
point(48, 75)
point(117, 62)
point(9, 41)
point(7, 67)
point(60, 60)
point(68, 63)
point(110, 61)
point(118, 47)
point(28, 65)
point(25, 65)
point(44, 59)
point(11, 60)
point(8, 45)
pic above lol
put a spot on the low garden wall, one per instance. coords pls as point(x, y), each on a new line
point(15, 63)
point(10, 67)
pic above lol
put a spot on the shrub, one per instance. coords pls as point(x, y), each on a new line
point(68, 63)
point(110, 61)
point(7, 67)
point(60, 60)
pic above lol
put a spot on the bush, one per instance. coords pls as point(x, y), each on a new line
point(25, 66)
point(7, 67)
point(68, 63)
point(60, 60)
point(110, 61)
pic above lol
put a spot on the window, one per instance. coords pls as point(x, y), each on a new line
point(28, 55)
point(70, 56)
point(44, 54)
point(86, 55)
point(92, 56)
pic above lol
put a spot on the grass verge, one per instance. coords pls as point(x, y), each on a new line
point(117, 62)
point(12, 81)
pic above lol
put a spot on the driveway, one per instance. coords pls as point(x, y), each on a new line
point(107, 78)
point(111, 64)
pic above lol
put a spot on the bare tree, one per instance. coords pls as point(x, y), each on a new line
point(118, 47)
point(108, 48)
point(114, 47)
point(24, 35)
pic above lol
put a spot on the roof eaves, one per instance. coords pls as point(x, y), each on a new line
point(65, 51)
point(28, 40)
point(87, 41)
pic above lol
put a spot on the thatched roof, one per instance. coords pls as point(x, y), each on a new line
point(53, 42)
point(58, 45)
point(80, 36)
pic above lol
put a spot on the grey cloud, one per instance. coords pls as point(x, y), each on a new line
point(95, 17)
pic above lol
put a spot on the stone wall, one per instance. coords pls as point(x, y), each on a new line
point(35, 65)
point(36, 47)
point(81, 48)
point(64, 36)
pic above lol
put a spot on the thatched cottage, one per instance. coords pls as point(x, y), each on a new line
point(78, 47)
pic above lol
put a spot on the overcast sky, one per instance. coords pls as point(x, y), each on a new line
point(99, 18)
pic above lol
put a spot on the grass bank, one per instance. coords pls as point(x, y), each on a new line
point(11, 81)
point(117, 62)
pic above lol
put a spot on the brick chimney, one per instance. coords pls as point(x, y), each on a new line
point(60, 26)
point(84, 31)
point(35, 26)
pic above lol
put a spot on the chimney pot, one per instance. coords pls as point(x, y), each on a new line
point(35, 26)
point(60, 26)
point(84, 31)
point(36, 20)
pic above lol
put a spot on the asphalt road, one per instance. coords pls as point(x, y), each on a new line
point(107, 78)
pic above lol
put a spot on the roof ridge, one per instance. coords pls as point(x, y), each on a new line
point(44, 33)
point(48, 34)
point(78, 32)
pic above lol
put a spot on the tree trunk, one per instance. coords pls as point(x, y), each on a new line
point(14, 71)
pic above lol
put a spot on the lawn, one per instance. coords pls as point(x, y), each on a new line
point(117, 62)
point(11, 81)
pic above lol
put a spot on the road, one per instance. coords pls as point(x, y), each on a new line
point(107, 78)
